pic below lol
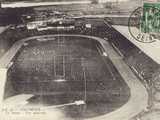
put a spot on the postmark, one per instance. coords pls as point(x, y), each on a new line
point(144, 23)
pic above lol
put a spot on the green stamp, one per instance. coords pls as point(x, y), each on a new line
point(144, 23)
point(151, 18)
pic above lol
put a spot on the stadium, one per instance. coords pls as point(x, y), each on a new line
point(85, 66)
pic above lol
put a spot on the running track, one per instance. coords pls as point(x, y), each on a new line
point(139, 97)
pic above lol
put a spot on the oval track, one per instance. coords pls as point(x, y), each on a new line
point(139, 97)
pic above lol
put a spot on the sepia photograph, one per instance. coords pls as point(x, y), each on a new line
point(79, 59)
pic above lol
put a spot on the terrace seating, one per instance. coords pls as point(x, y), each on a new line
point(142, 64)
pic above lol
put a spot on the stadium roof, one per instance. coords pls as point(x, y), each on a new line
point(150, 49)
point(30, 3)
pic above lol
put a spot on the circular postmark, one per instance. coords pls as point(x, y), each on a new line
point(142, 26)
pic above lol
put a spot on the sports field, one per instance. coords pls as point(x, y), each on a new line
point(61, 70)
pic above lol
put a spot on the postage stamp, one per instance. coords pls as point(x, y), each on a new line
point(144, 23)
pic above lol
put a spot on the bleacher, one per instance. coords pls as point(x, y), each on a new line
point(143, 65)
